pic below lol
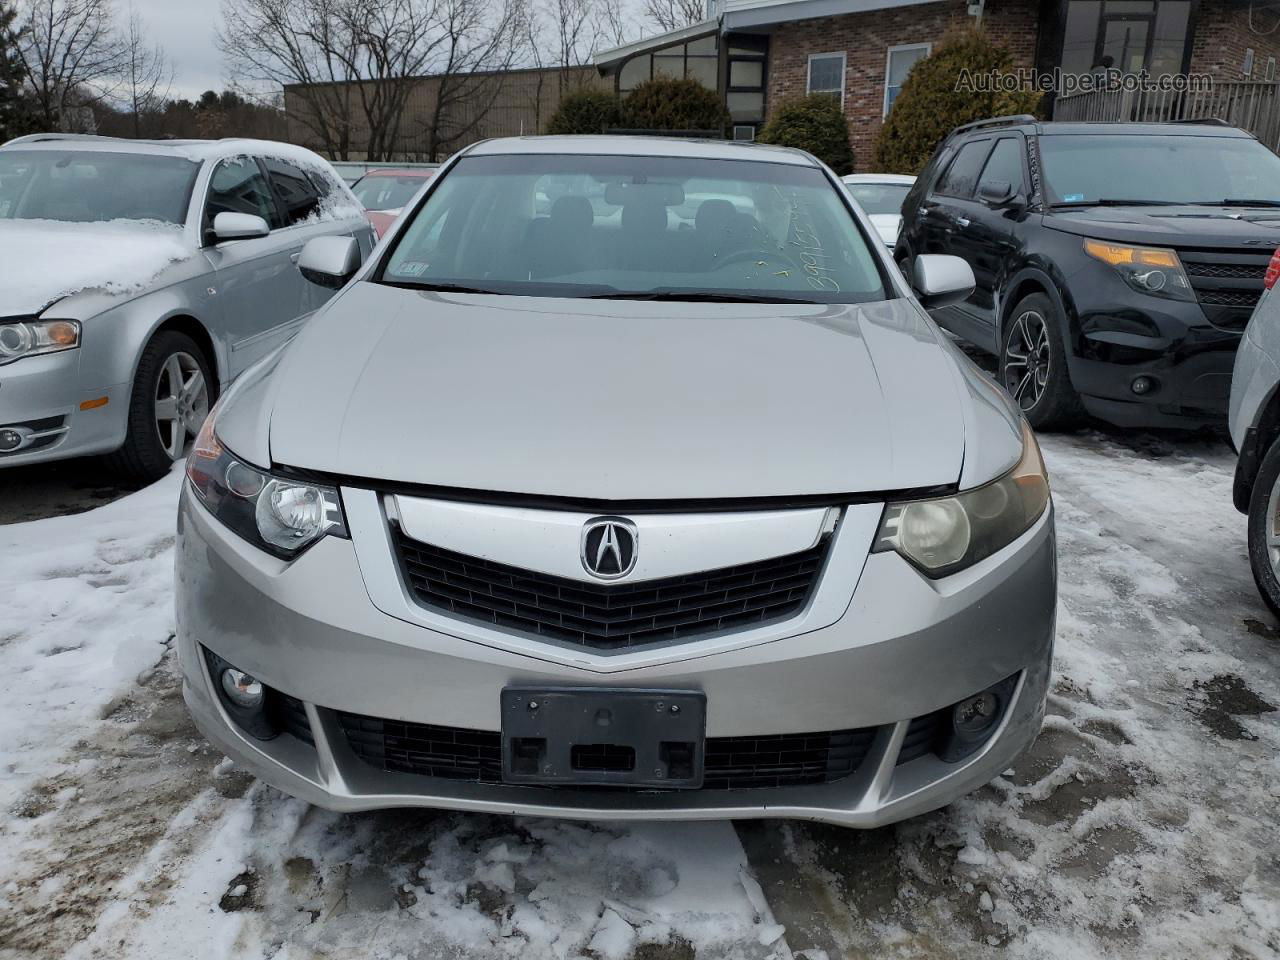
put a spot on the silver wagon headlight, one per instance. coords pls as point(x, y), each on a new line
point(947, 534)
point(277, 514)
point(27, 338)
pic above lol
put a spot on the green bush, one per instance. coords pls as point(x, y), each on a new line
point(664, 103)
point(814, 123)
point(930, 106)
point(587, 111)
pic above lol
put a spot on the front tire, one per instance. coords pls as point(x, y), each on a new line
point(171, 396)
point(1264, 529)
point(1033, 365)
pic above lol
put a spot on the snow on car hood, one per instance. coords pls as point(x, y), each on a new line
point(622, 400)
point(45, 260)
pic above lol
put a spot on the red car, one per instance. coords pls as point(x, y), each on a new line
point(383, 194)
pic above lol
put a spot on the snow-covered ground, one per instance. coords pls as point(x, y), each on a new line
point(1145, 822)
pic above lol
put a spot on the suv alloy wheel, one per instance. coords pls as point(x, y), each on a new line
point(1033, 368)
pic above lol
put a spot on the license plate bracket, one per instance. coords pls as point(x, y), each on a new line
point(603, 736)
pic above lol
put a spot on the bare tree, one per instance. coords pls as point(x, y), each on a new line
point(304, 44)
point(480, 40)
point(674, 14)
point(147, 75)
point(71, 57)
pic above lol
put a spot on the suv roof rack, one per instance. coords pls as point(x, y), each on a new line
point(996, 122)
point(1202, 121)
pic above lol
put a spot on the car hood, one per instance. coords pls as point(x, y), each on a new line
point(886, 225)
point(46, 260)
point(623, 400)
point(1174, 225)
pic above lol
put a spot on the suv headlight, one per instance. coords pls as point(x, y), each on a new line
point(26, 338)
point(947, 534)
point(275, 514)
point(1152, 270)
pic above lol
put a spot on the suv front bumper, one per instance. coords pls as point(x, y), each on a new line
point(906, 647)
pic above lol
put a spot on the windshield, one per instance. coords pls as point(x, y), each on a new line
point(880, 197)
point(579, 226)
point(1159, 169)
point(381, 192)
point(81, 186)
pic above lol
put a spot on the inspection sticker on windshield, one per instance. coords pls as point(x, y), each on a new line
point(1072, 197)
point(413, 268)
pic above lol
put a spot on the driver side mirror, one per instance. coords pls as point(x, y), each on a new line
point(940, 279)
point(996, 193)
point(239, 226)
point(330, 261)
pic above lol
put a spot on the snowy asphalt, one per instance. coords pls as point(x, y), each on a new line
point(1144, 823)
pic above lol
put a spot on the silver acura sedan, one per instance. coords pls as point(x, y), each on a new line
point(635, 509)
point(138, 278)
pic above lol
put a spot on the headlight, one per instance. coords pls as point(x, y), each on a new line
point(275, 514)
point(950, 533)
point(1152, 270)
point(26, 338)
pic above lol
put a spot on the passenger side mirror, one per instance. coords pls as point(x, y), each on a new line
point(997, 193)
point(239, 226)
point(330, 261)
point(940, 279)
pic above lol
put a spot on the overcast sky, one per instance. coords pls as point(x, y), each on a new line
point(185, 29)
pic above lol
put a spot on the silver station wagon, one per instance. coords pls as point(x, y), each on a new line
point(627, 479)
point(137, 279)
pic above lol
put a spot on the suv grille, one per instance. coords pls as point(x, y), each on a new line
point(455, 753)
point(1227, 283)
point(613, 617)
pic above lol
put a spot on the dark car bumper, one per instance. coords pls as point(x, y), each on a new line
point(1155, 364)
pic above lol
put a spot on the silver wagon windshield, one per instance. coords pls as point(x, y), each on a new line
point(84, 186)
point(657, 227)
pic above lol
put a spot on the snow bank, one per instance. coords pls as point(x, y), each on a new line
point(45, 260)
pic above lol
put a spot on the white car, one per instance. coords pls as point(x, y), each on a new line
point(1254, 420)
point(881, 196)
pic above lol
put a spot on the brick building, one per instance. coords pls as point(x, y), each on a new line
point(759, 53)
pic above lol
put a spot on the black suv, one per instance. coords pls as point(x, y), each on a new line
point(1116, 263)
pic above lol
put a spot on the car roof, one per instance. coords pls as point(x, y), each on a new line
point(1058, 128)
point(640, 146)
point(879, 178)
point(191, 149)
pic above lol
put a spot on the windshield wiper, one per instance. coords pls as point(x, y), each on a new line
point(1111, 202)
point(1235, 202)
point(439, 287)
point(699, 297)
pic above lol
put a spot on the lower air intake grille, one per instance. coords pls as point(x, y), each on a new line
point(613, 617)
point(732, 763)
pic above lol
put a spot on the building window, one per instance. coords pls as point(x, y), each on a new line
point(826, 74)
point(1247, 69)
point(745, 76)
point(1126, 35)
point(901, 60)
point(1271, 68)
point(696, 59)
point(744, 131)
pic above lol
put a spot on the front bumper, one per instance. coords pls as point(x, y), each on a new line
point(904, 648)
point(1119, 335)
point(43, 394)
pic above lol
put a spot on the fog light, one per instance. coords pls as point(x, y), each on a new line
point(974, 720)
point(976, 714)
point(243, 690)
point(10, 440)
point(1143, 385)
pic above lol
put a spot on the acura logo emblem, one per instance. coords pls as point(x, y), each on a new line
point(609, 546)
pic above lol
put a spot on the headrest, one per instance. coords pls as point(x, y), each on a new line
point(573, 212)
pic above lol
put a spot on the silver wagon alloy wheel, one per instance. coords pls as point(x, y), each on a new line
point(1026, 359)
point(1273, 527)
point(182, 402)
